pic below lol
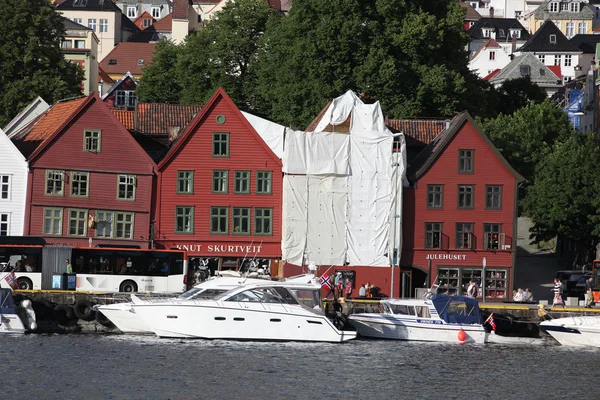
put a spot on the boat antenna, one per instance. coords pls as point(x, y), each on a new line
point(246, 255)
point(253, 258)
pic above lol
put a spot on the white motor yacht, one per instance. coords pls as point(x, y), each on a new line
point(574, 331)
point(438, 318)
point(271, 311)
point(15, 319)
point(127, 321)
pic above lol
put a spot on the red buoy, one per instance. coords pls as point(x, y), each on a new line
point(462, 336)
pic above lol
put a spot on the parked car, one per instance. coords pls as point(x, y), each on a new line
point(573, 282)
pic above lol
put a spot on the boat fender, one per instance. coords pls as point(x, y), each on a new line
point(63, 314)
point(29, 314)
point(103, 320)
point(462, 336)
point(84, 310)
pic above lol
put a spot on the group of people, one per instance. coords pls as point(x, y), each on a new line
point(343, 288)
point(525, 296)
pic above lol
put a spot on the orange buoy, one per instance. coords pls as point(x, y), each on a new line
point(462, 336)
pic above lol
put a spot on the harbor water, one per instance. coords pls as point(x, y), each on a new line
point(90, 366)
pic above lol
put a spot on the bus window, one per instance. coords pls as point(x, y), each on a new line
point(176, 264)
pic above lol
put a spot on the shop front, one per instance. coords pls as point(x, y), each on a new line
point(207, 258)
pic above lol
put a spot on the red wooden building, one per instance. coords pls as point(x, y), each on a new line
point(89, 180)
point(122, 93)
point(220, 191)
point(461, 209)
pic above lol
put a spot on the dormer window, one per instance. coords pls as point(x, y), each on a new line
point(501, 33)
point(564, 6)
point(574, 7)
point(525, 70)
point(147, 22)
point(112, 61)
point(132, 11)
point(487, 32)
point(140, 62)
point(79, 3)
point(553, 39)
point(553, 6)
point(515, 33)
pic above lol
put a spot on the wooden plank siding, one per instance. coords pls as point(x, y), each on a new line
point(489, 169)
point(247, 152)
point(119, 154)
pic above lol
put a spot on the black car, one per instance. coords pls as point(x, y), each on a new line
point(573, 282)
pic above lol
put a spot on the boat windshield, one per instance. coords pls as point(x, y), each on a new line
point(201, 293)
point(308, 298)
point(261, 295)
point(457, 309)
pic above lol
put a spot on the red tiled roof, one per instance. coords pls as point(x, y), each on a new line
point(104, 77)
point(54, 118)
point(127, 56)
point(164, 25)
point(472, 14)
point(163, 119)
point(491, 74)
point(491, 43)
point(139, 21)
point(556, 69)
point(125, 117)
point(423, 130)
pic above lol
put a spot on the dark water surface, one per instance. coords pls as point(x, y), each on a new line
point(137, 367)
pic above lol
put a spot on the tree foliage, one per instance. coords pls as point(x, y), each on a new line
point(518, 93)
point(221, 54)
point(524, 137)
point(564, 200)
point(30, 58)
point(409, 54)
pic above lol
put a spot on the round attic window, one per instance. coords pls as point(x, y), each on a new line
point(220, 119)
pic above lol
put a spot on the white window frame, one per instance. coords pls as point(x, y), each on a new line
point(125, 98)
point(131, 11)
point(54, 220)
point(92, 140)
point(516, 33)
point(492, 55)
point(557, 59)
point(542, 58)
point(77, 20)
point(570, 29)
point(129, 182)
point(79, 44)
point(105, 221)
point(92, 23)
point(564, 6)
point(57, 176)
point(78, 174)
point(553, 6)
point(147, 22)
point(5, 181)
point(103, 25)
point(4, 224)
point(575, 7)
point(152, 12)
point(581, 28)
point(568, 60)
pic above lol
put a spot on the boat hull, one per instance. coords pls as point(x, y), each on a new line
point(11, 324)
point(389, 327)
point(239, 321)
point(574, 331)
point(125, 319)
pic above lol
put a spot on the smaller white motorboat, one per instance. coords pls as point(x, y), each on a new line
point(437, 318)
point(15, 319)
point(575, 330)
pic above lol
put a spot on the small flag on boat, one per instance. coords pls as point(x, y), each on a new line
point(11, 279)
point(325, 281)
point(490, 320)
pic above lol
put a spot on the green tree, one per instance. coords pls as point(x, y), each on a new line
point(159, 83)
point(409, 54)
point(524, 137)
point(517, 93)
point(564, 200)
point(30, 58)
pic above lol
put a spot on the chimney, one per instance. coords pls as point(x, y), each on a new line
point(491, 12)
point(513, 40)
point(180, 9)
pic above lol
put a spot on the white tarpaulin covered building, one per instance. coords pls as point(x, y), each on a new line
point(342, 188)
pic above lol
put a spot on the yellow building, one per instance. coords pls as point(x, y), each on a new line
point(80, 46)
point(572, 17)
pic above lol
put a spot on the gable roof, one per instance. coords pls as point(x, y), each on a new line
point(556, 69)
point(164, 24)
point(502, 26)
point(472, 14)
point(161, 28)
point(30, 113)
point(490, 43)
point(491, 74)
point(540, 41)
point(164, 119)
point(88, 5)
point(5, 141)
point(127, 56)
point(219, 95)
point(104, 77)
point(139, 21)
point(118, 83)
point(423, 130)
point(430, 154)
point(543, 12)
point(31, 140)
point(74, 26)
point(539, 73)
point(127, 24)
point(586, 43)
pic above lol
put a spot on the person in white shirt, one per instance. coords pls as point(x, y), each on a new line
point(470, 289)
point(362, 292)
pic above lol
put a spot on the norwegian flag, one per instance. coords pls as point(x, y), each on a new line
point(325, 281)
point(11, 279)
point(490, 320)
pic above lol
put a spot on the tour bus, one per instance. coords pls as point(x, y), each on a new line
point(96, 269)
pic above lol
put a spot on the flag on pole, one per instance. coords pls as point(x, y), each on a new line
point(325, 281)
point(490, 320)
point(11, 279)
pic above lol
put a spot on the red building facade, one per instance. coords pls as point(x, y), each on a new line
point(89, 180)
point(461, 209)
point(220, 191)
